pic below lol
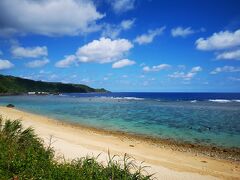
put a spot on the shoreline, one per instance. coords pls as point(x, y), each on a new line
point(213, 151)
point(231, 153)
point(163, 155)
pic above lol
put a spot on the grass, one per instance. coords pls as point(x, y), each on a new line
point(23, 155)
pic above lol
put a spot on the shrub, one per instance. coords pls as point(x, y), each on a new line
point(24, 156)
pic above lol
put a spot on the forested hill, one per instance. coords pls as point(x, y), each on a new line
point(11, 85)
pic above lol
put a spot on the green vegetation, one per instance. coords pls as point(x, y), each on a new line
point(11, 85)
point(24, 156)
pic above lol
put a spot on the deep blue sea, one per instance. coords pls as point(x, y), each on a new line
point(205, 118)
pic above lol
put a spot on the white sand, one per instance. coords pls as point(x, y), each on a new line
point(75, 141)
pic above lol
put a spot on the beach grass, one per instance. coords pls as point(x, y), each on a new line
point(23, 155)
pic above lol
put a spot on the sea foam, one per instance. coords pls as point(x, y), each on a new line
point(220, 100)
point(127, 98)
point(122, 98)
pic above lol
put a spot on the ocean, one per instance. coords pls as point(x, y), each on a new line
point(203, 118)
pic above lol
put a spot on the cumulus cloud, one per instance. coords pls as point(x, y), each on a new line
point(219, 41)
point(66, 62)
point(120, 6)
point(229, 55)
point(122, 63)
point(113, 30)
point(37, 63)
point(29, 52)
point(182, 32)
point(156, 68)
point(148, 37)
point(225, 69)
point(51, 18)
point(101, 51)
point(186, 75)
point(104, 50)
point(5, 64)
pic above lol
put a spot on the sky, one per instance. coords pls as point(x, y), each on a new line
point(124, 45)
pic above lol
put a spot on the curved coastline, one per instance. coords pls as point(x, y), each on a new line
point(202, 122)
point(166, 159)
point(231, 153)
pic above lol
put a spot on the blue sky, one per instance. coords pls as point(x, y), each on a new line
point(124, 45)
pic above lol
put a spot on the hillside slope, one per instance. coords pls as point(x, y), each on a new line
point(11, 84)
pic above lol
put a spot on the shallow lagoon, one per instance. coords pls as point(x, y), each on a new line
point(206, 118)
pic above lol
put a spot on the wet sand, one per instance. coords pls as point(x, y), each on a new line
point(167, 158)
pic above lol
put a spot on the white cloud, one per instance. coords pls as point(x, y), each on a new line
point(44, 72)
point(104, 50)
point(100, 51)
point(37, 63)
point(51, 18)
point(113, 31)
point(220, 40)
point(148, 37)
point(127, 24)
point(6, 32)
point(5, 64)
point(186, 76)
point(29, 52)
point(229, 55)
point(86, 80)
point(156, 68)
point(122, 63)
point(120, 6)
point(53, 76)
point(225, 69)
point(66, 62)
point(182, 32)
point(196, 69)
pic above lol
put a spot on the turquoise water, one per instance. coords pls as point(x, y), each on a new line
point(206, 121)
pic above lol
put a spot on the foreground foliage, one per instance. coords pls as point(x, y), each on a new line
point(24, 156)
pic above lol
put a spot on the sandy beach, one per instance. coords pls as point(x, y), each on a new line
point(75, 141)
